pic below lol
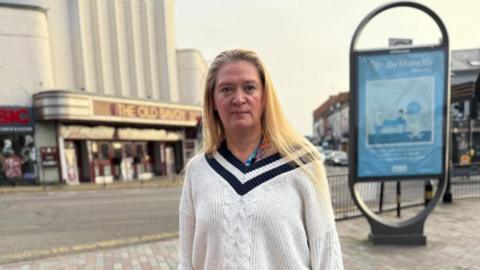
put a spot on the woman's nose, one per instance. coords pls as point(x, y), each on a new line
point(239, 97)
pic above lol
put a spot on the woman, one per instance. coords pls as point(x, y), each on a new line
point(256, 197)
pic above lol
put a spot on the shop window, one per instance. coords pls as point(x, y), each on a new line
point(117, 153)
point(105, 151)
point(140, 151)
point(128, 150)
point(94, 147)
point(17, 158)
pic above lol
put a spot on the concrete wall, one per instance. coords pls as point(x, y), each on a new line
point(192, 70)
point(25, 59)
point(121, 47)
point(45, 137)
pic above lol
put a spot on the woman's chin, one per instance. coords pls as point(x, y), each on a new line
point(239, 125)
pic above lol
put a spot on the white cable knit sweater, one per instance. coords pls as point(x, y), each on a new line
point(265, 216)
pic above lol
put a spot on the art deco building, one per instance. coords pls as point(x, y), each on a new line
point(95, 91)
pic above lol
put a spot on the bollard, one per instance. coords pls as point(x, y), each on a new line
point(428, 191)
point(399, 199)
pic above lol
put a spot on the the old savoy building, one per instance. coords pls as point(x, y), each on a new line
point(94, 91)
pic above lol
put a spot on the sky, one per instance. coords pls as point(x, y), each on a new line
point(305, 44)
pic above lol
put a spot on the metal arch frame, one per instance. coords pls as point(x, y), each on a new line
point(408, 232)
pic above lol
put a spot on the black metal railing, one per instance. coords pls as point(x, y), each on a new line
point(377, 196)
point(465, 183)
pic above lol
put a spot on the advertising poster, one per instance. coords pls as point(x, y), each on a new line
point(71, 166)
point(12, 167)
point(400, 113)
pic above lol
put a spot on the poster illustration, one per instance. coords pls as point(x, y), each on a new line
point(400, 113)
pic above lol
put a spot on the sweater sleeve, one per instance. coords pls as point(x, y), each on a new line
point(325, 251)
point(187, 225)
point(324, 244)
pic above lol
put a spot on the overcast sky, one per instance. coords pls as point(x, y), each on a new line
point(305, 43)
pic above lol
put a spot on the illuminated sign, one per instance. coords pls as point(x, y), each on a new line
point(146, 112)
point(16, 119)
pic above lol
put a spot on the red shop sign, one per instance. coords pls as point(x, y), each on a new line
point(15, 116)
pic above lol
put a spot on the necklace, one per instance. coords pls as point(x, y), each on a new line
point(253, 155)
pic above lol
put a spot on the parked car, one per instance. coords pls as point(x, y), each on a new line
point(327, 154)
point(337, 158)
point(321, 151)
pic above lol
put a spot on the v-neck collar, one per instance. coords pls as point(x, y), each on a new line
point(223, 150)
point(269, 166)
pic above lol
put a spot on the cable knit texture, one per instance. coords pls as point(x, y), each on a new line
point(269, 216)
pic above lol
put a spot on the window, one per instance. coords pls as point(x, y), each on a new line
point(140, 151)
point(128, 150)
point(104, 150)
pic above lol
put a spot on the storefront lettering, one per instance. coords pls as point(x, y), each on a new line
point(124, 110)
point(14, 116)
point(150, 112)
point(170, 114)
point(147, 112)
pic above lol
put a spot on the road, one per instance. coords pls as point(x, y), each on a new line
point(33, 223)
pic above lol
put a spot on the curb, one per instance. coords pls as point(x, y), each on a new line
point(159, 182)
point(32, 255)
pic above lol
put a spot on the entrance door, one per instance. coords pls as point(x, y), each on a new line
point(83, 161)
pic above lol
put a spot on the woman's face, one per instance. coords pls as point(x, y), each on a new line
point(238, 96)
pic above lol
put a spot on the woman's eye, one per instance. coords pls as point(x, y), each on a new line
point(250, 87)
point(225, 89)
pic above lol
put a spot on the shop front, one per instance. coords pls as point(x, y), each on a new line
point(106, 139)
point(18, 155)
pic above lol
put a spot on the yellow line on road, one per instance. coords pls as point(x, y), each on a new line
point(36, 254)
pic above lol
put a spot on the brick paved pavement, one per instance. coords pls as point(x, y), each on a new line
point(452, 235)
point(160, 255)
point(453, 242)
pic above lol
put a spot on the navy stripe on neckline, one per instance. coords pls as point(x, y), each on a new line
point(223, 150)
point(246, 187)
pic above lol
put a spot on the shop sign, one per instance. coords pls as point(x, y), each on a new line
point(147, 112)
point(16, 119)
point(85, 132)
point(49, 156)
point(148, 134)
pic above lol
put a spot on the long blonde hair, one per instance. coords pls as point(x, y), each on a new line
point(275, 127)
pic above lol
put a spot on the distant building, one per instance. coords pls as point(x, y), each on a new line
point(330, 122)
point(465, 65)
point(465, 98)
point(95, 91)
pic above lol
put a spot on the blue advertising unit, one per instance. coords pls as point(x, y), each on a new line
point(400, 113)
point(399, 98)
